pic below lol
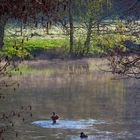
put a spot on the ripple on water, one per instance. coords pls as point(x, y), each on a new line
point(91, 137)
point(38, 137)
point(68, 124)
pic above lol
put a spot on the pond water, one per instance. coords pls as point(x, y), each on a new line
point(86, 99)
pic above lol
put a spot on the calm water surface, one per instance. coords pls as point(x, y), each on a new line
point(85, 98)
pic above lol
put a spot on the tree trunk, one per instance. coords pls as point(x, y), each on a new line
point(3, 20)
point(21, 28)
point(71, 26)
point(88, 38)
point(98, 28)
point(47, 28)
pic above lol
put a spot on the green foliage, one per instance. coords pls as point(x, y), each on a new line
point(113, 39)
point(108, 42)
point(79, 45)
point(98, 44)
point(93, 8)
point(14, 47)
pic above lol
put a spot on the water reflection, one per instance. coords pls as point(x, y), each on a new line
point(77, 90)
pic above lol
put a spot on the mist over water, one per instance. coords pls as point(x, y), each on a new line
point(85, 98)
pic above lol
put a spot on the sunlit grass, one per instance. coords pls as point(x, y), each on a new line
point(44, 43)
point(36, 43)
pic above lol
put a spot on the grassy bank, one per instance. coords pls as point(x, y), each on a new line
point(36, 43)
point(54, 47)
point(33, 45)
point(45, 43)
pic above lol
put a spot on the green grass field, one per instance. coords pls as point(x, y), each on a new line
point(36, 43)
point(15, 46)
point(45, 43)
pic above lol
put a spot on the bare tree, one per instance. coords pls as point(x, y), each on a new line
point(126, 60)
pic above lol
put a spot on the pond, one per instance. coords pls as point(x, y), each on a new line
point(86, 99)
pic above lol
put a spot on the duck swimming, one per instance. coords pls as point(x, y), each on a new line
point(54, 117)
point(83, 135)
